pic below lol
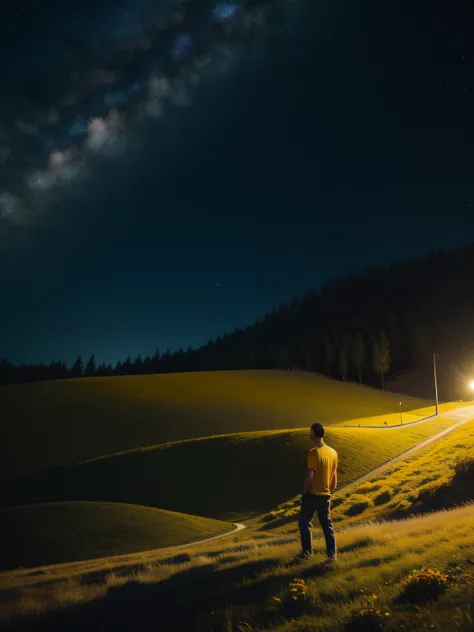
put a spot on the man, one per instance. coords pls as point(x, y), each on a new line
point(319, 484)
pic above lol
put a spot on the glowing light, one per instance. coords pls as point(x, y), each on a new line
point(471, 385)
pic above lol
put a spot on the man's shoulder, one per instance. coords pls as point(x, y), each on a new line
point(332, 450)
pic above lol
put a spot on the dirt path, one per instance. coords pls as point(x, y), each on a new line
point(463, 414)
point(238, 527)
point(410, 423)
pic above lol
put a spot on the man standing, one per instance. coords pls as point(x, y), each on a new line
point(319, 483)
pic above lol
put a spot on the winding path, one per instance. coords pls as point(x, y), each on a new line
point(238, 527)
point(464, 414)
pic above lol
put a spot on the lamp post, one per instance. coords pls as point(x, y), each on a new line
point(435, 383)
point(401, 414)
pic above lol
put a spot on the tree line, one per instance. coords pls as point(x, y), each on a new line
point(367, 327)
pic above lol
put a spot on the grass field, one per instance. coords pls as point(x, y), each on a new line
point(437, 476)
point(35, 535)
point(72, 420)
point(246, 586)
point(434, 478)
point(247, 582)
point(224, 477)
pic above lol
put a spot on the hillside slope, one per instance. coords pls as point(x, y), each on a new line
point(51, 533)
point(54, 423)
point(225, 477)
point(438, 475)
point(251, 585)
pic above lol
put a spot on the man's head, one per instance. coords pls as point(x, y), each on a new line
point(316, 433)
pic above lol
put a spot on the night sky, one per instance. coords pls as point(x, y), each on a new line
point(166, 178)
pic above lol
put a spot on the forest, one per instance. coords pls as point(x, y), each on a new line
point(376, 328)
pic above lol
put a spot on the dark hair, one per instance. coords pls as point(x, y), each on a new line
point(318, 430)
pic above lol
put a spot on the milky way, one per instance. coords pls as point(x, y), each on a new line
point(47, 140)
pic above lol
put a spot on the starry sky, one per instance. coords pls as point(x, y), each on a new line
point(171, 170)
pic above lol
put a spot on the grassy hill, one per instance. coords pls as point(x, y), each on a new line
point(46, 424)
point(391, 574)
point(437, 476)
point(225, 477)
point(35, 535)
point(253, 586)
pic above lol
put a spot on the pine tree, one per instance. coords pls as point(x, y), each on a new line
point(155, 362)
point(381, 355)
point(138, 365)
point(342, 359)
point(394, 334)
point(147, 365)
point(358, 354)
point(90, 367)
point(127, 366)
point(78, 368)
point(329, 355)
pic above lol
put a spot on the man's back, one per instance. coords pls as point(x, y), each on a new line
point(323, 460)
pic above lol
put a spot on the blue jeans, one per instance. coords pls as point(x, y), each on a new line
point(310, 504)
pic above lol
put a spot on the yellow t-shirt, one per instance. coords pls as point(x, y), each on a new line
point(323, 461)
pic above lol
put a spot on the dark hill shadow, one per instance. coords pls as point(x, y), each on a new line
point(186, 601)
point(150, 477)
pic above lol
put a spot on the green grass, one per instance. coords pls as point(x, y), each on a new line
point(36, 535)
point(437, 476)
point(246, 586)
point(47, 424)
point(224, 477)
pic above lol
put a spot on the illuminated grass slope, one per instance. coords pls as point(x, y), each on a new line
point(247, 586)
point(224, 477)
point(46, 424)
point(439, 475)
point(35, 535)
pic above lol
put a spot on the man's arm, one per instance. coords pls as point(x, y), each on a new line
point(333, 484)
point(308, 479)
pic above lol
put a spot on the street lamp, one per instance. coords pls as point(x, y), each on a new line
point(401, 414)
